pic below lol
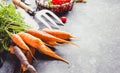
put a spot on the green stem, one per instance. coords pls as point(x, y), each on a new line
point(9, 33)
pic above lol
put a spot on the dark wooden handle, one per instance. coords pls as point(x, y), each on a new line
point(21, 4)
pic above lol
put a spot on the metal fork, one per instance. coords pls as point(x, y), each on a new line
point(40, 14)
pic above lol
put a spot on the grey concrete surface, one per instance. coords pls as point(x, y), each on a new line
point(96, 26)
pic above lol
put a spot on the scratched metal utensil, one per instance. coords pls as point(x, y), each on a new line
point(28, 19)
point(40, 14)
point(27, 2)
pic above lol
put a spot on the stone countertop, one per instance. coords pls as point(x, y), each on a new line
point(96, 26)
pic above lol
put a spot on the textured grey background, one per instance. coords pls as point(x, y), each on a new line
point(96, 25)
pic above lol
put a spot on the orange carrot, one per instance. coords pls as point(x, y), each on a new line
point(24, 68)
point(11, 49)
point(51, 43)
point(59, 33)
point(38, 44)
point(28, 55)
point(42, 35)
point(47, 37)
point(18, 41)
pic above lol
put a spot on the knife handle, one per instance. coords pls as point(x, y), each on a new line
point(22, 5)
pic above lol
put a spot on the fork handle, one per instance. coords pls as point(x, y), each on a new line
point(22, 5)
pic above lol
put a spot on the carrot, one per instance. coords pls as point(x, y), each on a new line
point(18, 52)
point(39, 45)
point(28, 55)
point(30, 67)
point(18, 41)
point(59, 33)
point(30, 40)
point(11, 49)
point(23, 68)
point(47, 37)
point(42, 35)
point(51, 43)
point(29, 58)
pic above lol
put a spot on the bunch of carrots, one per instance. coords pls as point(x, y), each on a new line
point(26, 43)
point(21, 40)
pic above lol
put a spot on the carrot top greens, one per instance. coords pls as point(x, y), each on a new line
point(10, 22)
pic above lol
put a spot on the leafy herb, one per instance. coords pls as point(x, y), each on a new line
point(10, 22)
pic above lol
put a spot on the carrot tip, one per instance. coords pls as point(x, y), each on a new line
point(73, 44)
point(66, 61)
point(73, 36)
point(62, 59)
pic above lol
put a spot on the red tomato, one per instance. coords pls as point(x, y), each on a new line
point(63, 19)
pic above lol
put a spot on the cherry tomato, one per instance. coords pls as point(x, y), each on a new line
point(63, 19)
